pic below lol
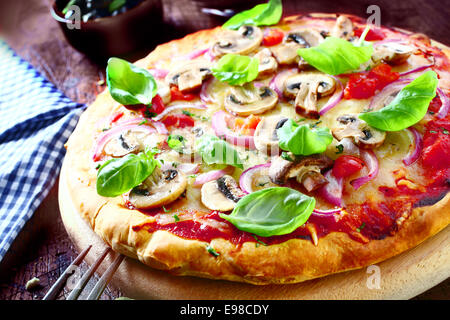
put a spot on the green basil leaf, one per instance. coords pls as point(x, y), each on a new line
point(129, 84)
point(236, 69)
point(216, 151)
point(272, 211)
point(116, 5)
point(335, 56)
point(408, 107)
point(120, 175)
point(264, 14)
point(303, 140)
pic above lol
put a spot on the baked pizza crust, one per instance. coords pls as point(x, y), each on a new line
point(292, 261)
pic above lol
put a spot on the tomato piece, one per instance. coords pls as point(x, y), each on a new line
point(347, 165)
point(364, 85)
point(178, 120)
point(157, 105)
point(176, 94)
point(272, 37)
point(372, 35)
point(246, 126)
point(436, 145)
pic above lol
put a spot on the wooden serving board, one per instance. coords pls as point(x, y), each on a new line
point(402, 277)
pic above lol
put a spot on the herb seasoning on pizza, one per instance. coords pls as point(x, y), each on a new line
point(322, 138)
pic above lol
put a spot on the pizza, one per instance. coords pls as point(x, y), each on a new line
point(269, 151)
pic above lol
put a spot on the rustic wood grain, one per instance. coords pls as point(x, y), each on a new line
point(43, 248)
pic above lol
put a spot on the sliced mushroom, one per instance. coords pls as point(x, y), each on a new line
point(307, 88)
point(265, 136)
point(391, 52)
point(126, 142)
point(286, 52)
point(242, 41)
point(365, 136)
point(221, 194)
point(306, 170)
point(343, 28)
point(267, 63)
point(161, 188)
point(247, 99)
point(190, 75)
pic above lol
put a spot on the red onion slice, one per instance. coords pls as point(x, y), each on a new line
point(177, 107)
point(371, 161)
point(332, 191)
point(219, 124)
point(389, 41)
point(192, 55)
point(443, 111)
point(212, 175)
point(204, 96)
point(391, 88)
point(418, 144)
point(104, 137)
point(159, 73)
point(246, 179)
point(335, 98)
point(418, 69)
point(159, 126)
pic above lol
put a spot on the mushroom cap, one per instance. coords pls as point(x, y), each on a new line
point(365, 136)
point(267, 63)
point(221, 194)
point(160, 189)
point(246, 100)
point(286, 52)
point(281, 170)
point(343, 28)
point(265, 135)
point(189, 75)
point(242, 41)
point(392, 52)
point(307, 87)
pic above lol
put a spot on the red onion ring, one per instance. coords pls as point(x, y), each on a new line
point(159, 126)
point(219, 124)
point(159, 73)
point(388, 90)
point(371, 161)
point(443, 111)
point(104, 137)
point(332, 191)
point(275, 84)
point(421, 68)
point(246, 178)
point(177, 107)
point(388, 41)
point(212, 175)
point(192, 55)
point(204, 96)
point(335, 98)
point(418, 144)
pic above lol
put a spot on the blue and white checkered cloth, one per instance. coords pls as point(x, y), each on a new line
point(35, 122)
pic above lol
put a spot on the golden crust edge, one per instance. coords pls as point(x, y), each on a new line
point(281, 263)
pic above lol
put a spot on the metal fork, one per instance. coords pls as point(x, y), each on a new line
point(98, 289)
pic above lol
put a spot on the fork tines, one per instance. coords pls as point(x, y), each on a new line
point(99, 287)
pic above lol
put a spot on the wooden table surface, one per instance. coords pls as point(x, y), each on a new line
point(43, 248)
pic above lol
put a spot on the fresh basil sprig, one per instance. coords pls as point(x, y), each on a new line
point(408, 107)
point(336, 56)
point(303, 140)
point(272, 211)
point(120, 175)
point(264, 14)
point(129, 84)
point(236, 69)
point(216, 151)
